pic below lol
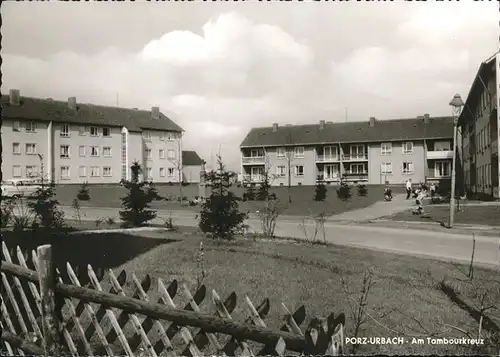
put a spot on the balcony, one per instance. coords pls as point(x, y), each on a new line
point(329, 178)
point(355, 157)
point(443, 154)
point(260, 160)
point(253, 178)
point(327, 158)
point(352, 176)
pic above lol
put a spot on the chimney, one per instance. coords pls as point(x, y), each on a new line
point(14, 97)
point(426, 118)
point(275, 127)
point(372, 122)
point(155, 112)
point(72, 103)
point(321, 124)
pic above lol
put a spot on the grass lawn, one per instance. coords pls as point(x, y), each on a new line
point(302, 198)
point(406, 288)
point(477, 215)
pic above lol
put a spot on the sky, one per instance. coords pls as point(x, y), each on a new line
point(220, 68)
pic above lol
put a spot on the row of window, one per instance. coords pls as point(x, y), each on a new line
point(29, 149)
point(148, 153)
point(483, 139)
point(65, 131)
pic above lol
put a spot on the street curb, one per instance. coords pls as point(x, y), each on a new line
point(121, 230)
point(436, 224)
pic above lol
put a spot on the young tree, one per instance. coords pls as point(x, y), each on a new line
point(84, 193)
point(177, 162)
point(220, 215)
point(263, 192)
point(320, 190)
point(137, 201)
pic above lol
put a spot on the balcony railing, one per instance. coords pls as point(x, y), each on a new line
point(443, 154)
point(253, 178)
point(253, 159)
point(354, 157)
point(352, 176)
point(327, 158)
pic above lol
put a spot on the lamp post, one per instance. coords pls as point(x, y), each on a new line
point(456, 104)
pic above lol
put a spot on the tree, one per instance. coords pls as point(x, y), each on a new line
point(84, 193)
point(263, 192)
point(344, 191)
point(249, 194)
point(220, 215)
point(137, 201)
point(288, 159)
point(320, 190)
point(362, 190)
point(177, 161)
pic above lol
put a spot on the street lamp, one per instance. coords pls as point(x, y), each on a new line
point(456, 103)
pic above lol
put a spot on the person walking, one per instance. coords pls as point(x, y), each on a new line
point(408, 189)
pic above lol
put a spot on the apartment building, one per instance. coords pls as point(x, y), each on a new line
point(78, 142)
point(372, 152)
point(480, 130)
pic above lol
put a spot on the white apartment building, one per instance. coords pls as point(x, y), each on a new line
point(79, 143)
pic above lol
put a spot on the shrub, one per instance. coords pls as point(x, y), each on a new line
point(139, 196)
point(268, 216)
point(263, 191)
point(84, 192)
point(362, 190)
point(344, 191)
point(45, 208)
point(220, 216)
point(249, 194)
point(320, 191)
point(7, 207)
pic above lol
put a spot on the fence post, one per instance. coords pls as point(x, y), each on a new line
point(50, 321)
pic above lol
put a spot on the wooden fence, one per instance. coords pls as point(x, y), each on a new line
point(43, 315)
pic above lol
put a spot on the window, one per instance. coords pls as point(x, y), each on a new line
point(256, 153)
point(280, 171)
point(16, 148)
point(280, 152)
point(146, 135)
point(16, 171)
point(65, 173)
point(331, 152)
point(31, 171)
point(171, 154)
point(147, 153)
point(82, 171)
point(149, 173)
point(442, 169)
point(30, 149)
point(407, 167)
point(82, 151)
point(162, 172)
point(357, 169)
point(82, 130)
point(299, 152)
point(64, 130)
point(106, 132)
point(386, 168)
point(171, 172)
point(16, 126)
point(106, 171)
point(31, 126)
point(94, 151)
point(330, 172)
point(357, 151)
point(170, 136)
point(65, 151)
point(94, 171)
point(106, 151)
point(408, 148)
point(163, 136)
point(299, 170)
point(386, 149)
point(442, 146)
point(162, 153)
point(94, 131)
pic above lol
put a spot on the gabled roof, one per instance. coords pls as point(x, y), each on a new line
point(58, 111)
point(483, 74)
point(191, 158)
point(383, 130)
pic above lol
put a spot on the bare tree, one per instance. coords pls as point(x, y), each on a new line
point(289, 152)
point(177, 162)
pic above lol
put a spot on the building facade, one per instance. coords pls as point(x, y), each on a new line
point(372, 152)
point(74, 143)
point(480, 130)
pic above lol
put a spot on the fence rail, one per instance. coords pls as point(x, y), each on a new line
point(43, 315)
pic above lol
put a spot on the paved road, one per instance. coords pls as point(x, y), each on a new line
point(441, 245)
